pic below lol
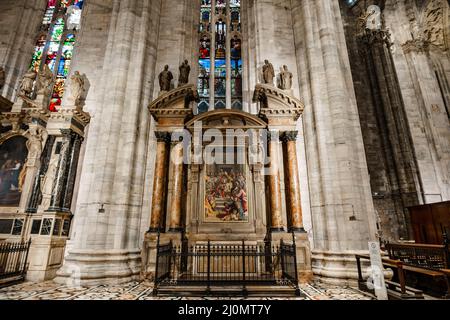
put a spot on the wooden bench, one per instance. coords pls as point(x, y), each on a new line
point(429, 260)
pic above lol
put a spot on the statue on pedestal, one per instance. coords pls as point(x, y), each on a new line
point(77, 87)
point(165, 79)
point(47, 183)
point(268, 72)
point(2, 77)
point(35, 142)
point(26, 85)
point(185, 70)
point(45, 81)
point(285, 79)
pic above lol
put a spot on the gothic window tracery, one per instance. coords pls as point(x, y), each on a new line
point(56, 41)
point(220, 58)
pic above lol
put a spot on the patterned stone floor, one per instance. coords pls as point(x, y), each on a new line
point(140, 291)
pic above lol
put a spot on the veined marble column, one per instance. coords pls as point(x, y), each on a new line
point(275, 184)
point(65, 165)
point(177, 188)
point(36, 194)
point(293, 181)
point(159, 182)
point(72, 167)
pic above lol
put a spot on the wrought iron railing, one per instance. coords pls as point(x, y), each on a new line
point(13, 260)
point(222, 265)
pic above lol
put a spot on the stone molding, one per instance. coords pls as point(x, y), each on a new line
point(174, 103)
point(277, 102)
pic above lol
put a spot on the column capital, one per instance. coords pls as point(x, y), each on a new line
point(70, 134)
point(273, 136)
point(163, 136)
point(290, 136)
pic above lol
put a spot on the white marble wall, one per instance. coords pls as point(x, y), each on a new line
point(19, 24)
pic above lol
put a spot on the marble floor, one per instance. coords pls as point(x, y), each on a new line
point(140, 291)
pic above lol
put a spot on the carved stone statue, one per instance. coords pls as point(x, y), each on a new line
point(2, 77)
point(185, 70)
point(77, 86)
point(165, 79)
point(45, 81)
point(35, 142)
point(26, 85)
point(285, 79)
point(47, 183)
point(268, 72)
point(74, 18)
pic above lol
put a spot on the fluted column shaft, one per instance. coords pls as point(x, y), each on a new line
point(159, 182)
point(177, 188)
point(275, 185)
point(293, 182)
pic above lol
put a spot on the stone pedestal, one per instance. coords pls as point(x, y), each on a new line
point(303, 252)
point(47, 248)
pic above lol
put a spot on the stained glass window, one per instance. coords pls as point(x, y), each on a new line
point(220, 57)
point(55, 44)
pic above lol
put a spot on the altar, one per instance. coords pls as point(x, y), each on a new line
point(226, 176)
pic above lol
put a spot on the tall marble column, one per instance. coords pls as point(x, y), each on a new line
point(293, 181)
point(109, 215)
point(159, 182)
point(72, 167)
point(341, 201)
point(177, 166)
point(275, 184)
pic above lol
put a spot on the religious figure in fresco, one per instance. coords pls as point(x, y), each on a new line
point(26, 85)
point(165, 79)
point(226, 196)
point(268, 72)
point(285, 79)
point(13, 154)
point(185, 70)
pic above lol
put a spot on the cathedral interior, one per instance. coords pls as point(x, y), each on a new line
point(210, 143)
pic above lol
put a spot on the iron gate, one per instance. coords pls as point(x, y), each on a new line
point(13, 261)
point(222, 265)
